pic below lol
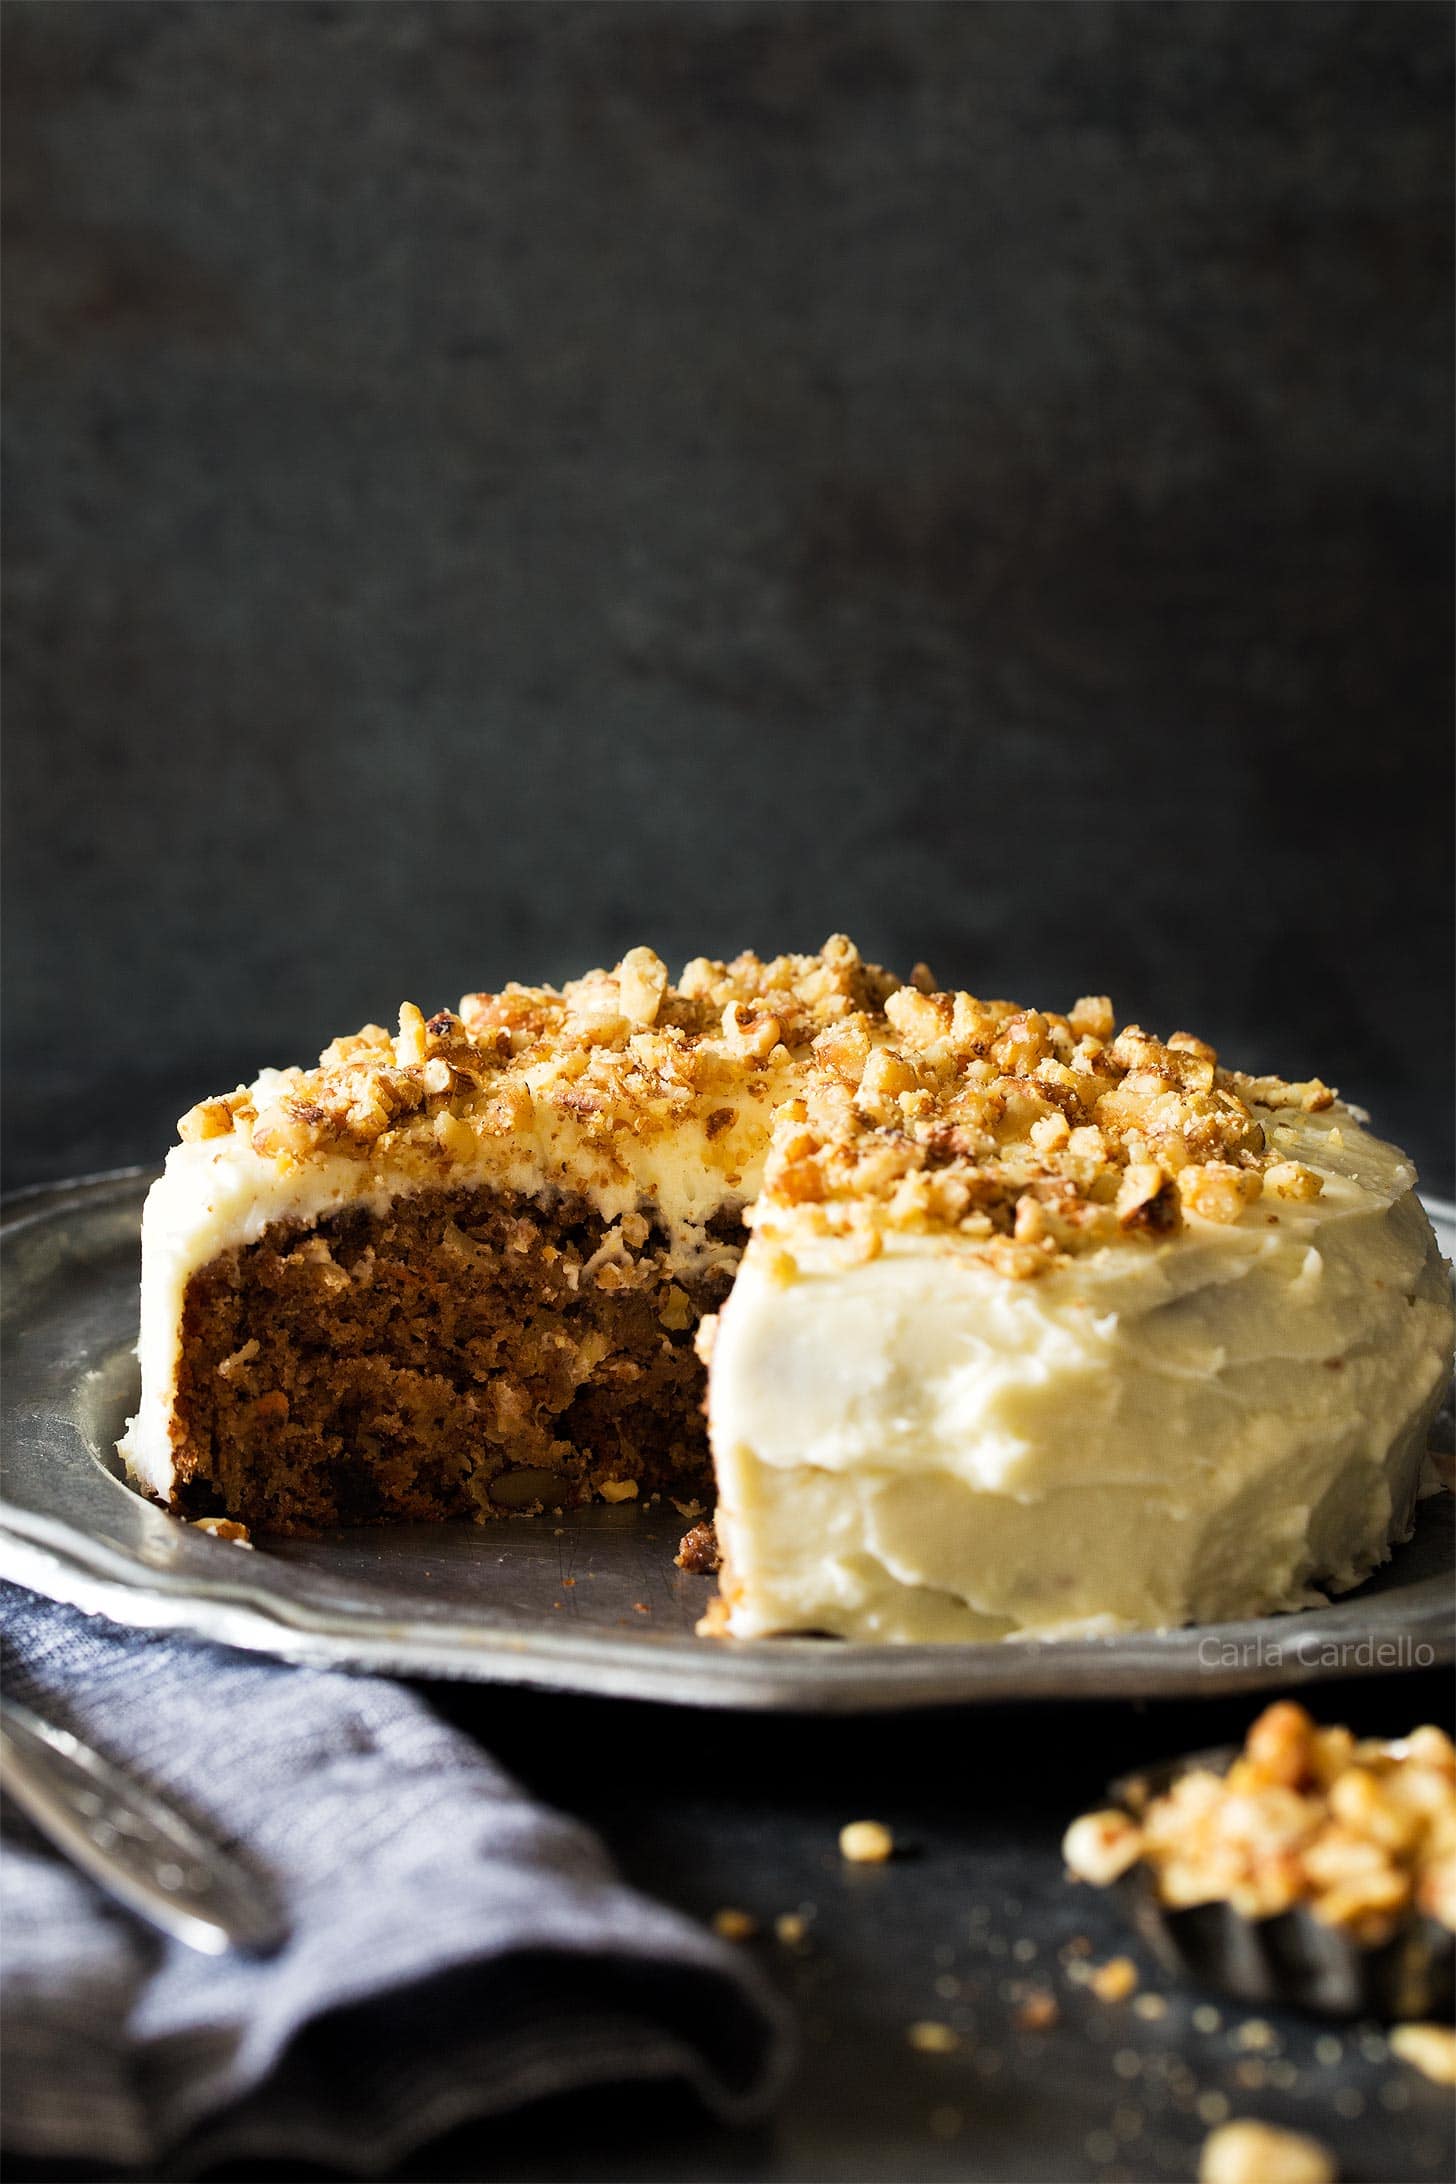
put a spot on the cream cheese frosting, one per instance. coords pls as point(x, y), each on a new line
point(1220, 1424)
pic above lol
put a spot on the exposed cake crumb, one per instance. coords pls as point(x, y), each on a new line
point(866, 1842)
point(474, 1368)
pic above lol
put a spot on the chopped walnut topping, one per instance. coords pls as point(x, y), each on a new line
point(621, 1052)
point(878, 1107)
point(1217, 1191)
point(641, 984)
point(1363, 1832)
point(1291, 1179)
point(1035, 1136)
point(209, 1119)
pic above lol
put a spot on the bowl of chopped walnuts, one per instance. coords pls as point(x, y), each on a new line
point(1308, 1867)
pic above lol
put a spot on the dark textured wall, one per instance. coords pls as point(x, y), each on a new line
point(492, 484)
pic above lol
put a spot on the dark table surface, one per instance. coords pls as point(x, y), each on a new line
point(713, 1810)
point(492, 485)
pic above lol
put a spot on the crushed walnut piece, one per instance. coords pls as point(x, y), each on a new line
point(1430, 2049)
point(929, 2037)
point(1115, 1980)
point(870, 1107)
point(615, 1051)
point(866, 1842)
point(1033, 1135)
point(1246, 2152)
point(731, 1924)
point(1363, 1832)
point(223, 1528)
point(698, 1551)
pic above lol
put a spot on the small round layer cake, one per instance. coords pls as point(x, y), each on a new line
point(1045, 1332)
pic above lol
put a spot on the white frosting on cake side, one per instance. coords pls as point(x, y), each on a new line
point(915, 1447)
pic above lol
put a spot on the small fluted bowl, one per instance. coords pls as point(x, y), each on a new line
point(1292, 1959)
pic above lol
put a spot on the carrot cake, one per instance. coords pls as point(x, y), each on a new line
point(1005, 1322)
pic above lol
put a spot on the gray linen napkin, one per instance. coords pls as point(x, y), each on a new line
point(455, 1949)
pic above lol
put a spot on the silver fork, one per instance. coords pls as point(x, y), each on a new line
point(131, 1841)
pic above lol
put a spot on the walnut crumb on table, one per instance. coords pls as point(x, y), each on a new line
point(866, 1842)
point(1431, 2049)
point(1115, 1980)
point(1245, 2152)
point(928, 2037)
point(731, 1924)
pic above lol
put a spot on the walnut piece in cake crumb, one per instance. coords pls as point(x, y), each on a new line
point(223, 1528)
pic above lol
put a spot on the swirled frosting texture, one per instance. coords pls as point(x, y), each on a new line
point(1217, 1424)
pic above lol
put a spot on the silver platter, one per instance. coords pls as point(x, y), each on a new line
point(588, 1602)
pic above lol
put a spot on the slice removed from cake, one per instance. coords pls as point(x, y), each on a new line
point(1046, 1331)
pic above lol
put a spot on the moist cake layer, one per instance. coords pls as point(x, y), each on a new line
point(458, 1353)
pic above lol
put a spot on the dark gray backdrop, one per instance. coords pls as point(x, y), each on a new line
point(492, 484)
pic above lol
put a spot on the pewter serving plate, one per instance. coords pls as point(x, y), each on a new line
point(590, 1601)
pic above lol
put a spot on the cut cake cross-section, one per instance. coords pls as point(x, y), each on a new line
point(1042, 1327)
